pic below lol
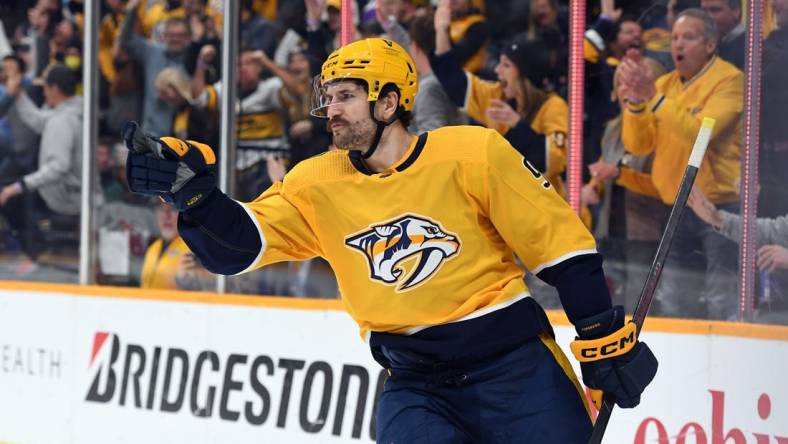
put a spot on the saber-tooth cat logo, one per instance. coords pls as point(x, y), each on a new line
point(388, 244)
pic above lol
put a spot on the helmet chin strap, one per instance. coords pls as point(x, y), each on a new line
point(381, 125)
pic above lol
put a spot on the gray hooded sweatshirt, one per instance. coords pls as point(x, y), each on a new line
point(58, 178)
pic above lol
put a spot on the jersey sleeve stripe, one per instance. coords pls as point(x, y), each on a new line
point(263, 243)
point(560, 259)
point(595, 39)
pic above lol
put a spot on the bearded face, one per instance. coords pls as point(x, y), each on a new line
point(348, 116)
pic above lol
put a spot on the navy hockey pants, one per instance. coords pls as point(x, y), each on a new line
point(528, 395)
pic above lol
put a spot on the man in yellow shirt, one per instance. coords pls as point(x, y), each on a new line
point(664, 117)
point(422, 233)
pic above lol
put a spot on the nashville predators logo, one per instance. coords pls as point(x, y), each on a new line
point(388, 246)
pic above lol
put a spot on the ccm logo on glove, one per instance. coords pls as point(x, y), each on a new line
point(614, 344)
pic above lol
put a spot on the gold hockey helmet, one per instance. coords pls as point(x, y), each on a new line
point(377, 62)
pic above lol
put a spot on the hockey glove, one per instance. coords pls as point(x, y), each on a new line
point(612, 360)
point(183, 173)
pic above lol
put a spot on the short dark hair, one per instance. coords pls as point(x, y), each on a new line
point(63, 78)
point(405, 117)
point(19, 62)
point(617, 25)
point(422, 33)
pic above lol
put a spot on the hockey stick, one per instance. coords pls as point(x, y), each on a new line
point(641, 310)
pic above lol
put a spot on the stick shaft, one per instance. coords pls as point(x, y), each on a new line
point(650, 286)
point(654, 273)
point(647, 295)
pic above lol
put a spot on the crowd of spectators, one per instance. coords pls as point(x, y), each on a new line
point(653, 71)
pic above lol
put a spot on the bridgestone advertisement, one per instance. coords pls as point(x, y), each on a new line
point(105, 366)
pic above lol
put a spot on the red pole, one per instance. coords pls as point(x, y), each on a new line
point(577, 28)
point(347, 22)
point(749, 167)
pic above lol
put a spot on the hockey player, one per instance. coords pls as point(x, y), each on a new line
point(422, 234)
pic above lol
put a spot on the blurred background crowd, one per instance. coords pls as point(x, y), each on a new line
point(653, 70)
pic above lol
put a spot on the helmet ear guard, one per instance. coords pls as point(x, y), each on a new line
point(381, 126)
point(384, 94)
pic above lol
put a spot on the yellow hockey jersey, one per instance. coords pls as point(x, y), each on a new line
point(432, 240)
point(669, 123)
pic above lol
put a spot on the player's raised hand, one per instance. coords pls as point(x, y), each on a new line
point(182, 172)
